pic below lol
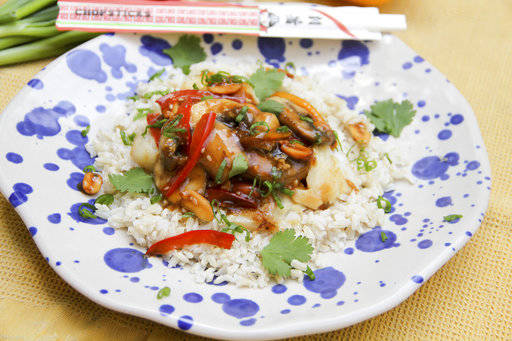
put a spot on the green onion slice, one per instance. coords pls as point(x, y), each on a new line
point(86, 211)
point(220, 171)
point(387, 205)
point(252, 130)
point(164, 292)
point(89, 168)
point(85, 131)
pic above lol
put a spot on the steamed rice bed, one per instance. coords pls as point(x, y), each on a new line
point(327, 229)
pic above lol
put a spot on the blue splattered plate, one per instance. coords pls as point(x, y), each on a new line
point(42, 154)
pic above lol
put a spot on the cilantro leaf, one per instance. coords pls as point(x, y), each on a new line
point(282, 249)
point(186, 52)
point(390, 117)
point(135, 180)
point(266, 82)
point(272, 106)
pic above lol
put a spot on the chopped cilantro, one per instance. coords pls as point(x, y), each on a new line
point(104, 199)
point(164, 292)
point(230, 227)
point(195, 87)
point(208, 79)
point(148, 95)
point(390, 117)
point(135, 181)
point(188, 215)
point(186, 52)
point(206, 98)
point(240, 165)
point(282, 249)
point(272, 106)
point(127, 139)
point(266, 82)
point(170, 129)
point(141, 113)
point(85, 131)
point(156, 75)
point(387, 157)
point(452, 217)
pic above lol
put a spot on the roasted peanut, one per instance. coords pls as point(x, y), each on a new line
point(91, 184)
point(359, 132)
point(195, 202)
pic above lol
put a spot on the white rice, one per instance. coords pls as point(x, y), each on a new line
point(327, 230)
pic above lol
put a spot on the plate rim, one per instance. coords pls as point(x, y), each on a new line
point(289, 329)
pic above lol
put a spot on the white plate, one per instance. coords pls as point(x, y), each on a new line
point(42, 154)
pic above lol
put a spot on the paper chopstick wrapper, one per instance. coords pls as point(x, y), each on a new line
point(292, 20)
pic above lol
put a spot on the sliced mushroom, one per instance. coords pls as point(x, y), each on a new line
point(297, 119)
point(261, 167)
point(221, 106)
point(222, 144)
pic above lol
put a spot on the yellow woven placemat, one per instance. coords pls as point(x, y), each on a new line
point(470, 297)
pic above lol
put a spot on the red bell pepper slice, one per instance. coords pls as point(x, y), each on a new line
point(212, 237)
point(203, 129)
point(227, 198)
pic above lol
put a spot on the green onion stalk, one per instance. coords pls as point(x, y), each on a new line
point(14, 10)
point(13, 41)
point(40, 24)
point(44, 48)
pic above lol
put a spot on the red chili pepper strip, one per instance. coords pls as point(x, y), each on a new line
point(230, 199)
point(203, 129)
point(155, 132)
point(212, 237)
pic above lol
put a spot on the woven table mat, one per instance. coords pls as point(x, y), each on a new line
point(470, 41)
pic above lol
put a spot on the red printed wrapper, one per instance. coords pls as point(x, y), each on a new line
point(262, 19)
